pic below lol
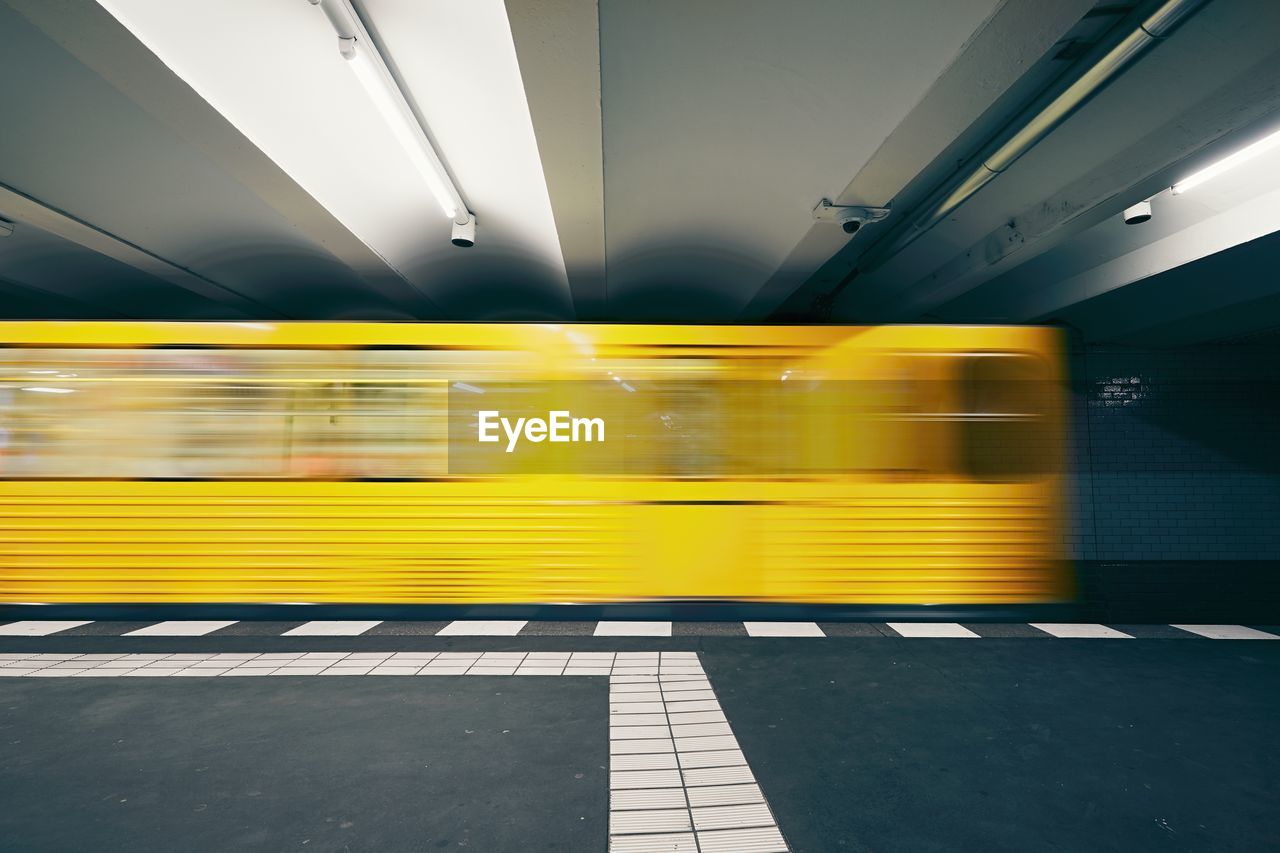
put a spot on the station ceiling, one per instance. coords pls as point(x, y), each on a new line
point(656, 161)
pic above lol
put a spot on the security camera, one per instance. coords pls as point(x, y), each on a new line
point(1138, 213)
point(464, 233)
point(850, 217)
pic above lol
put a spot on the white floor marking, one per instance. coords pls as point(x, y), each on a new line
point(482, 628)
point(931, 629)
point(37, 629)
point(633, 629)
point(336, 628)
point(1076, 630)
point(1227, 632)
point(179, 628)
point(783, 629)
point(678, 780)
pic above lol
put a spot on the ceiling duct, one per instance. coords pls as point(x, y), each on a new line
point(1031, 125)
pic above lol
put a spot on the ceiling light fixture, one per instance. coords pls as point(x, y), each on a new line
point(1226, 164)
point(358, 48)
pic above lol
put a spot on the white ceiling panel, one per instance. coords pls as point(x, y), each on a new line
point(274, 70)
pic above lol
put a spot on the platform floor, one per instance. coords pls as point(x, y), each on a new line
point(711, 744)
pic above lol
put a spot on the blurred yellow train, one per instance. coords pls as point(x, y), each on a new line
point(342, 463)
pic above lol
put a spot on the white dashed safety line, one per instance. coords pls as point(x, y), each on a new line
point(1227, 632)
point(678, 780)
point(783, 629)
point(1078, 630)
point(931, 629)
point(42, 628)
point(629, 628)
point(180, 628)
point(633, 629)
point(482, 628)
point(332, 628)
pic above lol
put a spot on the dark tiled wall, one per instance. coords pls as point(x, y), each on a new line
point(1175, 454)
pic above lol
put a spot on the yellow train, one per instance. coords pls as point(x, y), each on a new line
point(375, 463)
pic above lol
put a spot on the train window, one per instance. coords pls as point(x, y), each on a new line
point(1006, 428)
point(187, 413)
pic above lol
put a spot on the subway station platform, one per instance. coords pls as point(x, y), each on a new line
point(637, 736)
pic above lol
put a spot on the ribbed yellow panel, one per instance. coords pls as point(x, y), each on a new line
point(469, 542)
point(866, 538)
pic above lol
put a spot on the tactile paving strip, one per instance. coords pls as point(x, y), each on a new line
point(678, 780)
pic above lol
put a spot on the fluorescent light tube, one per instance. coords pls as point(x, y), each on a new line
point(396, 113)
point(1226, 164)
point(357, 47)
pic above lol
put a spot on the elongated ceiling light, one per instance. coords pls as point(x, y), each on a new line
point(1226, 164)
point(356, 46)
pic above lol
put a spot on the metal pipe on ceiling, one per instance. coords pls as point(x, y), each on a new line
point(1028, 130)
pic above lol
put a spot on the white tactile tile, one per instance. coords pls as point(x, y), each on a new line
point(633, 629)
point(700, 730)
point(331, 628)
point(697, 776)
point(482, 669)
point(619, 779)
point(638, 720)
point(650, 821)
point(1080, 630)
point(348, 670)
point(651, 798)
point(696, 717)
point(725, 795)
point(783, 629)
point(634, 747)
point(713, 758)
point(732, 817)
point(1227, 632)
point(197, 673)
point(682, 707)
point(619, 684)
point(637, 732)
point(540, 670)
point(637, 696)
point(666, 843)
point(758, 840)
point(635, 707)
point(644, 761)
point(482, 628)
point(931, 629)
point(38, 628)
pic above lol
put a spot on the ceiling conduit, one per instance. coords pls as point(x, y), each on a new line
point(1030, 126)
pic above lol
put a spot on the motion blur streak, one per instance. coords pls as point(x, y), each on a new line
point(333, 463)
